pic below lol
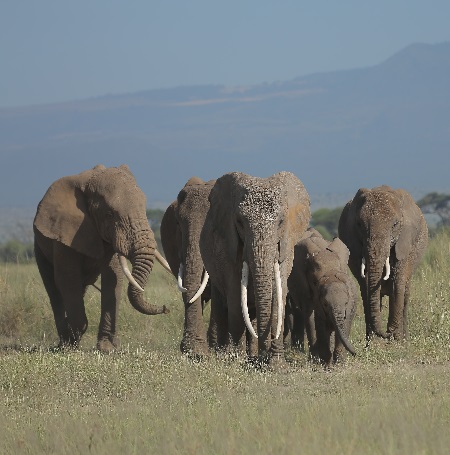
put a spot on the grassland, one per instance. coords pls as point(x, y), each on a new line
point(393, 398)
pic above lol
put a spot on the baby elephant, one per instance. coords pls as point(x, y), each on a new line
point(321, 286)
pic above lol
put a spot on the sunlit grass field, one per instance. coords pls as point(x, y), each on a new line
point(393, 398)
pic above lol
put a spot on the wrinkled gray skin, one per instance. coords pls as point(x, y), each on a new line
point(379, 223)
point(181, 226)
point(81, 223)
point(320, 284)
point(256, 220)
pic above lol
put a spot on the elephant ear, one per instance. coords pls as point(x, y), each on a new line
point(171, 237)
point(221, 211)
point(347, 227)
point(63, 215)
point(298, 213)
point(338, 247)
point(411, 225)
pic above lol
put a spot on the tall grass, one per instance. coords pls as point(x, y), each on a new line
point(392, 398)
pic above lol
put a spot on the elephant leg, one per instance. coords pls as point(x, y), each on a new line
point(298, 335)
point(366, 306)
point(252, 342)
point(218, 324)
point(46, 271)
point(236, 331)
point(339, 352)
point(310, 326)
point(322, 346)
point(112, 281)
point(405, 314)
point(396, 311)
point(236, 324)
point(70, 282)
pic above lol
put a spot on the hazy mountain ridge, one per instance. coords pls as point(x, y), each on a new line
point(337, 131)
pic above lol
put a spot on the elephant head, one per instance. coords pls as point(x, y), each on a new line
point(321, 273)
point(381, 227)
point(255, 224)
point(98, 207)
point(181, 227)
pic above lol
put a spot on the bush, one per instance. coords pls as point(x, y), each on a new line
point(16, 251)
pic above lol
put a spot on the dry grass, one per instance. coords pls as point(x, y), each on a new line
point(391, 399)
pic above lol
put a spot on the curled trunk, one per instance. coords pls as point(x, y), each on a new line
point(142, 264)
point(339, 324)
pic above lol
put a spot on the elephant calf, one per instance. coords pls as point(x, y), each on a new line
point(321, 286)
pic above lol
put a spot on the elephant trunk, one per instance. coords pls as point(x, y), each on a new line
point(142, 258)
point(193, 279)
point(375, 266)
point(339, 324)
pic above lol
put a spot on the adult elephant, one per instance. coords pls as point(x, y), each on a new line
point(387, 235)
point(86, 225)
point(247, 245)
point(321, 286)
point(180, 229)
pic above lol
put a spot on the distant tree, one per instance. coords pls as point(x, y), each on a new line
point(326, 221)
point(154, 217)
point(16, 251)
point(436, 204)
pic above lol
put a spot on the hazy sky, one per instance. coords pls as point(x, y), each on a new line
point(56, 50)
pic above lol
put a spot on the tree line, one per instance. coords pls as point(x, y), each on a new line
point(324, 220)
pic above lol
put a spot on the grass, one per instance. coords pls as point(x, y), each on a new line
point(147, 398)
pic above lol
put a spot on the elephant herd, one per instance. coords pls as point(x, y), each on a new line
point(240, 242)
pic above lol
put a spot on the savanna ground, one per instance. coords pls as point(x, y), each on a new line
point(393, 398)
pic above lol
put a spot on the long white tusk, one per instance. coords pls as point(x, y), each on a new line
point(244, 283)
point(201, 288)
point(161, 259)
point(276, 268)
point(363, 268)
point(181, 288)
point(388, 269)
point(126, 270)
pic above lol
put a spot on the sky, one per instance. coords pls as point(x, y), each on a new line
point(60, 50)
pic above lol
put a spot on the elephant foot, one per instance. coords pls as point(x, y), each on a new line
point(396, 335)
point(195, 349)
point(106, 346)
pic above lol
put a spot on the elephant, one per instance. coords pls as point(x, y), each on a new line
point(387, 235)
point(180, 230)
point(85, 226)
point(247, 246)
point(321, 286)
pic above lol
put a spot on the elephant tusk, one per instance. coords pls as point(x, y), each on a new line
point(201, 288)
point(363, 268)
point(388, 269)
point(279, 292)
point(162, 261)
point(126, 270)
point(244, 283)
point(181, 288)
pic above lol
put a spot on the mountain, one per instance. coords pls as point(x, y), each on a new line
point(337, 131)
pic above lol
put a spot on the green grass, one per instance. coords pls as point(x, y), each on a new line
point(147, 398)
